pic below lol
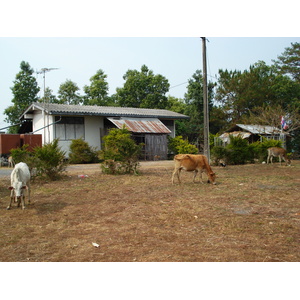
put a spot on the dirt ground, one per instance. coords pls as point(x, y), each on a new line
point(252, 214)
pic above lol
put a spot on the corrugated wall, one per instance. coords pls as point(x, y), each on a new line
point(156, 147)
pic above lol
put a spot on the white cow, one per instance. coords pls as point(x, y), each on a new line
point(20, 180)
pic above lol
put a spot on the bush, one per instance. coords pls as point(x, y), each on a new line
point(82, 153)
point(120, 153)
point(260, 149)
point(50, 160)
point(47, 161)
point(239, 151)
point(178, 145)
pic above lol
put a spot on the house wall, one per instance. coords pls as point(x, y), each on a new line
point(93, 127)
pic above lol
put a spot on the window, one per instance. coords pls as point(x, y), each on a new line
point(69, 128)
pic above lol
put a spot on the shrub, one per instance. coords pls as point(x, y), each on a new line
point(50, 160)
point(120, 153)
point(82, 153)
point(24, 155)
point(178, 145)
point(239, 152)
point(260, 148)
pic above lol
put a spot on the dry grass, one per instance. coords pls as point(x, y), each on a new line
point(251, 215)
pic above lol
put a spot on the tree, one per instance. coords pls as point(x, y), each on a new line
point(289, 61)
point(143, 89)
point(271, 116)
point(194, 107)
point(97, 92)
point(68, 93)
point(25, 91)
point(239, 93)
point(48, 97)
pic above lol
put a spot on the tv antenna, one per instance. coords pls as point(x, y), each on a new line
point(43, 71)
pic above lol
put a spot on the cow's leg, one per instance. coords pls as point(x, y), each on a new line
point(279, 156)
point(23, 201)
point(195, 174)
point(11, 199)
point(28, 187)
point(176, 171)
point(268, 159)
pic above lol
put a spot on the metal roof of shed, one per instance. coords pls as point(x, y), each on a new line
point(258, 129)
point(138, 125)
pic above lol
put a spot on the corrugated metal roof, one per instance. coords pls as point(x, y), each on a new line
point(64, 109)
point(259, 129)
point(138, 125)
point(225, 136)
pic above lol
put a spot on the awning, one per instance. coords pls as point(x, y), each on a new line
point(140, 125)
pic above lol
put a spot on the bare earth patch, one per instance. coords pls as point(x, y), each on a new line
point(252, 214)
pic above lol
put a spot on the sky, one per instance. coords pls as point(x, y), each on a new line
point(176, 58)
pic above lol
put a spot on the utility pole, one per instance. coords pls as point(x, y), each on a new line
point(205, 102)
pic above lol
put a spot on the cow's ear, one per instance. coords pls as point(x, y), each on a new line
point(10, 188)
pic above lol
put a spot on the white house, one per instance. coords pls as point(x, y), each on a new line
point(68, 122)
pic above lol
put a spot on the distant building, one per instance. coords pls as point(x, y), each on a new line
point(68, 122)
point(252, 133)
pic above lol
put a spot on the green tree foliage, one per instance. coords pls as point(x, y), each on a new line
point(49, 97)
point(178, 145)
point(143, 89)
point(68, 93)
point(289, 61)
point(193, 127)
point(120, 153)
point(97, 92)
point(81, 152)
point(25, 91)
point(239, 93)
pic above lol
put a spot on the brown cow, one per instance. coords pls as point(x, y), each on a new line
point(192, 162)
point(278, 152)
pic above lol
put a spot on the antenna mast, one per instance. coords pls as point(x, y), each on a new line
point(43, 71)
point(46, 124)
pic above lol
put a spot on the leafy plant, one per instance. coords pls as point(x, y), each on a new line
point(120, 152)
point(178, 145)
point(82, 153)
point(50, 160)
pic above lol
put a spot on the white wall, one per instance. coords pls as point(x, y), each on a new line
point(92, 131)
point(92, 125)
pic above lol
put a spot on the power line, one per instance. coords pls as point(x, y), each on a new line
point(178, 85)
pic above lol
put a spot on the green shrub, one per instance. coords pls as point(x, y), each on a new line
point(239, 151)
point(50, 160)
point(120, 153)
point(260, 149)
point(219, 153)
point(20, 154)
point(82, 153)
point(178, 145)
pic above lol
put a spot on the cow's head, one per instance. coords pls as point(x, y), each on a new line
point(211, 178)
point(17, 190)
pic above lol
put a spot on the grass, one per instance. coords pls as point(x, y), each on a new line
point(252, 214)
